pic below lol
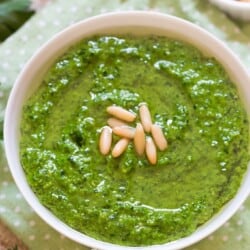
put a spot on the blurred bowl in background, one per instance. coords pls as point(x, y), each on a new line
point(237, 9)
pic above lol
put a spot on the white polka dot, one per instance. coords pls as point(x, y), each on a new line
point(62, 237)
point(71, 22)
point(225, 238)
point(236, 30)
point(41, 23)
point(17, 209)
point(32, 223)
point(47, 236)
point(24, 38)
point(22, 52)
point(2, 196)
point(3, 79)
point(132, 8)
point(2, 210)
point(17, 223)
point(21, 65)
point(171, 10)
point(18, 196)
point(73, 9)
point(88, 10)
point(239, 222)
point(56, 23)
point(242, 208)
point(155, 9)
point(103, 10)
point(31, 210)
point(5, 183)
point(5, 65)
point(239, 237)
point(6, 168)
point(39, 37)
point(58, 9)
point(32, 237)
point(211, 237)
point(7, 52)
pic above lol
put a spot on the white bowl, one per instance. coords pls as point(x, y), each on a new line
point(236, 9)
point(141, 23)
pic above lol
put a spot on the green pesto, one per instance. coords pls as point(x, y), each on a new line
point(126, 200)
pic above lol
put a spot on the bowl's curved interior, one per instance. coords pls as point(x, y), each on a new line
point(137, 22)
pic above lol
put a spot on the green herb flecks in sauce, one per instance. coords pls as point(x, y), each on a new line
point(125, 200)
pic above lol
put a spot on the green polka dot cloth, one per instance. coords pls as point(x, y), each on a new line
point(15, 51)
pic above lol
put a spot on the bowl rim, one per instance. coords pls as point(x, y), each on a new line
point(10, 127)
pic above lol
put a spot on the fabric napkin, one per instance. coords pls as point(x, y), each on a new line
point(57, 15)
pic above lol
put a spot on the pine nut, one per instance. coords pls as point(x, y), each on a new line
point(120, 147)
point(151, 150)
point(105, 140)
point(159, 137)
point(139, 139)
point(145, 117)
point(113, 122)
point(121, 113)
point(124, 131)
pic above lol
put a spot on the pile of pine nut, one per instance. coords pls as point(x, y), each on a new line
point(147, 137)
